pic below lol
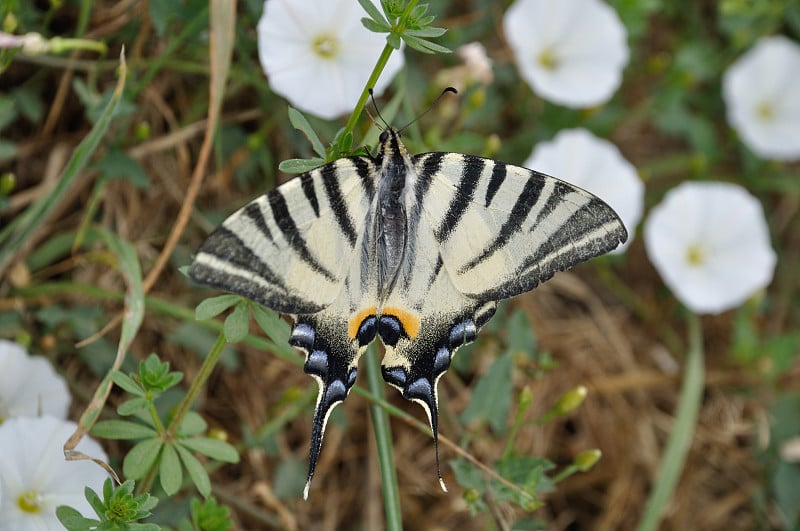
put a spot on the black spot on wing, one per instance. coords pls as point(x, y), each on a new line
point(286, 224)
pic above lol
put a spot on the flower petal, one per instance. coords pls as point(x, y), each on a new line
point(710, 243)
point(325, 81)
point(32, 461)
point(762, 96)
point(570, 52)
point(29, 385)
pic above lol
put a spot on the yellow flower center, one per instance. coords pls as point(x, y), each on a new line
point(29, 502)
point(547, 59)
point(765, 111)
point(326, 46)
point(695, 255)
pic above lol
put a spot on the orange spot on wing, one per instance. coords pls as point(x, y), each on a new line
point(409, 321)
point(357, 319)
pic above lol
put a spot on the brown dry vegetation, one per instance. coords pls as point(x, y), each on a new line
point(632, 372)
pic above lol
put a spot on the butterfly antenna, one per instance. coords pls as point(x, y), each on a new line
point(377, 110)
point(431, 106)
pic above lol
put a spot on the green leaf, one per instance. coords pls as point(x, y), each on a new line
point(271, 323)
point(208, 516)
point(423, 45)
point(491, 397)
point(468, 475)
point(192, 424)
point(141, 458)
point(376, 27)
point(214, 306)
point(426, 32)
point(133, 406)
point(214, 448)
point(117, 164)
point(197, 473)
point(122, 429)
point(127, 383)
point(237, 324)
point(373, 12)
point(71, 519)
point(94, 500)
point(393, 39)
point(170, 471)
point(300, 123)
point(300, 165)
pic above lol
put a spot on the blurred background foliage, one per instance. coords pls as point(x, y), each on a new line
point(667, 119)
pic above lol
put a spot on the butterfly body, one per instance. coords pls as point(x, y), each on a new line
point(414, 250)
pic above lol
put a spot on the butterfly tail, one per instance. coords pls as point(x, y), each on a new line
point(334, 371)
point(423, 392)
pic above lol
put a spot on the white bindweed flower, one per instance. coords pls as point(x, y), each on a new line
point(762, 96)
point(570, 52)
point(318, 55)
point(597, 166)
point(34, 477)
point(29, 386)
point(710, 243)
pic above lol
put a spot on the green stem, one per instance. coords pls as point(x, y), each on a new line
point(61, 44)
point(377, 71)
point(680, 439)
point(383, 440)
point(200, 380)
point(373, 79)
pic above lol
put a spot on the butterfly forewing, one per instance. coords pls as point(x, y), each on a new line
point(291, 248)
point(514, 227)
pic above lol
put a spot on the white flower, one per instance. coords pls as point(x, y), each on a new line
point(571, 52)
point(29, 385)
point(710, 243)
point(34, 477)
point(762, 95)
point(597, 166)
point(318, 55)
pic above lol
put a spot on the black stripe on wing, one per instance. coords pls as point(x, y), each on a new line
point(365, 169)
point(473, 169)
point(528, 197)
point(499, 173)
point(228, 248)
point(283, 218)
point(307, 184)
point(330, 180)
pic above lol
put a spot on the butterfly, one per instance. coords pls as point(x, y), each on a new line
point(416, 250)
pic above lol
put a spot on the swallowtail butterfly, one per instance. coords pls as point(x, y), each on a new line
point(417, 250)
